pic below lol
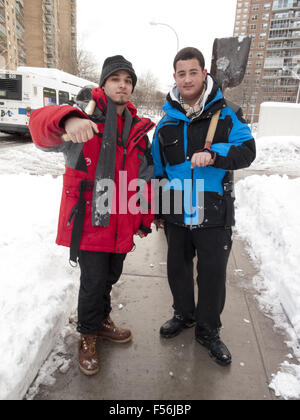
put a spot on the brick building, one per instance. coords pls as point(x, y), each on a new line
point(39, 33)
point(274, 62)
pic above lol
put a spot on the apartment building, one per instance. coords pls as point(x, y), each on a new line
point(273, 71)
point(12, 49)
point(40, 33)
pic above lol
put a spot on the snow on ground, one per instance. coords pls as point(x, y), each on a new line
point(28, 159)
point(268, 219)
point(38, 287)
point(279, 154)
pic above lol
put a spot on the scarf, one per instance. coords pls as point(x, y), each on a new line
point(105, 171)
point(194, 111)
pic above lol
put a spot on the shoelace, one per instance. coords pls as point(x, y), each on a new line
point(89, 344)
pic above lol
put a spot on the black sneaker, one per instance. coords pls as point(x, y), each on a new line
point(216, 348)
point(174, 326)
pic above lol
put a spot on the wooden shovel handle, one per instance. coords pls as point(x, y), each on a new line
point(89, 110)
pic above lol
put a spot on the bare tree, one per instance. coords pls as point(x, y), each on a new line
point(88, 67)
point(147, 96)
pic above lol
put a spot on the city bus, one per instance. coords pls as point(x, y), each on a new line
point(28, 88)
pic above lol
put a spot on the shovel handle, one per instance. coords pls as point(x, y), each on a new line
point(89, 110)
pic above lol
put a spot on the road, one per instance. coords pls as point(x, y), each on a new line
point(8, 141)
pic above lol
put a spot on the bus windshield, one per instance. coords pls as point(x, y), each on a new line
point(11, 86)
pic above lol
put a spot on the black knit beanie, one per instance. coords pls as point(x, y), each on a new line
point(115, 63)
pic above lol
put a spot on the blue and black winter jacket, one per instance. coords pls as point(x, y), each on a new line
point(202, 197)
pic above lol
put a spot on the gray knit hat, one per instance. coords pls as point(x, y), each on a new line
point(115, 63)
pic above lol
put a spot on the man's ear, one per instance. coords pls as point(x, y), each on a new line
point(205, 73)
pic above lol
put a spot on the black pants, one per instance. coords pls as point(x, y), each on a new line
point(99, 272)
point(212, 246)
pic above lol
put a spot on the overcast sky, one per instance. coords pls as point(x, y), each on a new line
point(108, 28)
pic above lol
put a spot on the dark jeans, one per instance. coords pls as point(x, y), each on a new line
point(212, 246)
point(99, 272)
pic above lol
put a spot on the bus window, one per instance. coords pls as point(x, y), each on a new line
point(11, 87)
point(63, 97)
point(49, 96)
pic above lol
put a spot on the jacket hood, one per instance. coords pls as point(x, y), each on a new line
point(101, 99)
point(173, 108)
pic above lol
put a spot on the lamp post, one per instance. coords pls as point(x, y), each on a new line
point(170, 27)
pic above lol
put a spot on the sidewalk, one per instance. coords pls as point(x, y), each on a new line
point(179, 368)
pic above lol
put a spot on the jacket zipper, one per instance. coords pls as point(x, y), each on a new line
point(192, 180)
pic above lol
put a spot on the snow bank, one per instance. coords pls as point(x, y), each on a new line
point(38, 287)
point(268, 219)
point(277, 153)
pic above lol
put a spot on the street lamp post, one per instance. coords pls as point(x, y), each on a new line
point(170, 27)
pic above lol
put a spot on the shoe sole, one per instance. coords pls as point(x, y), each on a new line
point(214, 357)
point(126, 340)
point(88, 372)
point(178, 331)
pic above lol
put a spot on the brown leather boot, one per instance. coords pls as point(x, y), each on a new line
point(113, 333)
point(87, 355)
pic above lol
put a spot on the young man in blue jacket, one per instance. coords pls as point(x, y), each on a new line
point(197, 145)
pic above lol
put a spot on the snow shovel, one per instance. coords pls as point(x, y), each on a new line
point(229, 60)
point(84, 97)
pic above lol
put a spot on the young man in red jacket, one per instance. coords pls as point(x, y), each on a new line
point(106, 154)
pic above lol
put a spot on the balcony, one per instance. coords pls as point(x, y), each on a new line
point(285, 4)
point(285, 45)
point(278, 35)
point(274, 63)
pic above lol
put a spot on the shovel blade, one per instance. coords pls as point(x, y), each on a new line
point(229, 60)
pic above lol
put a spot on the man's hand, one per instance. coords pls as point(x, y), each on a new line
point(159, 223)
point(80, 130)
point(201, 159)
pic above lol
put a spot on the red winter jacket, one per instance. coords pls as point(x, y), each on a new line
point(46, 127)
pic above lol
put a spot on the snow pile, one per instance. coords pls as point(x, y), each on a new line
point(286, 383)
point(58, 360)
point(277, 153)
point(38, 287)
point(268, 219)
point(28, 159)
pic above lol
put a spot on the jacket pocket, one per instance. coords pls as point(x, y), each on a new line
point(172, 151)
point(172, 144)
point(214, 209)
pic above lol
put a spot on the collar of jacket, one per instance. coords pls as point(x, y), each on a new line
point(101, 100)
point(214, 101)
point(139, 127)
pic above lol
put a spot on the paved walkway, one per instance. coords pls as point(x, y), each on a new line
point(179, 368)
